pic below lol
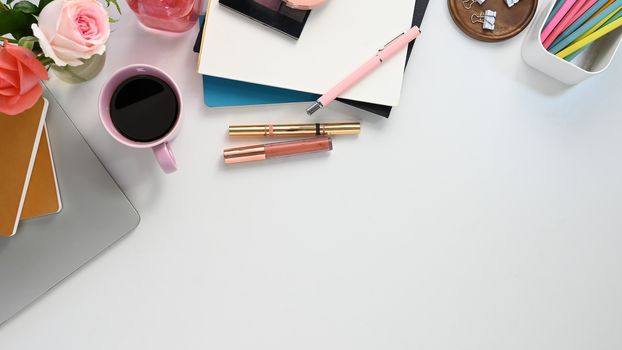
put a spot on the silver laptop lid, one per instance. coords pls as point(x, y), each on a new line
point(95, 214)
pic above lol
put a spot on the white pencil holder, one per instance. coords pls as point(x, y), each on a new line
point(595, 60)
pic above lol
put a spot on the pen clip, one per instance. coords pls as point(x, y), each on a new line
point(392, 40)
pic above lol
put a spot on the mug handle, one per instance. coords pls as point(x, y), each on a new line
point(165, 157)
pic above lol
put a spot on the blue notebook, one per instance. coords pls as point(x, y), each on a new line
point(221, 92)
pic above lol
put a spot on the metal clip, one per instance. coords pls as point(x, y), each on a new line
point(392, 40)
point(469, 3)
point(487, 18)
point(389, 43)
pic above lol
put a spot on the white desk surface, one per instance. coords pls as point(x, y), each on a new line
point(484, 214)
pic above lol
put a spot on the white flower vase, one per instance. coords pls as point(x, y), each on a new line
point(84, 72)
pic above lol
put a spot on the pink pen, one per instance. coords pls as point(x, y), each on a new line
point(383, 54)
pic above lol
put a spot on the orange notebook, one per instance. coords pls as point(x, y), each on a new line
point(19, 141)
point(42, 196)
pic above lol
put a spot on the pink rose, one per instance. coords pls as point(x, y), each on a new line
point(20, 73)
point(69, 30)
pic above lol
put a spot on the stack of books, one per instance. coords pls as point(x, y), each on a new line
point(250, 58)
point(28, 184)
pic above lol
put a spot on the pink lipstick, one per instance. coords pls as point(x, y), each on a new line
point(279, 149)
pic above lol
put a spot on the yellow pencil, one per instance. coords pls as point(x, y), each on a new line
point(590, 38)
point(597, 26)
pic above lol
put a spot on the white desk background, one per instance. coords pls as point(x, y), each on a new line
point(484, 214)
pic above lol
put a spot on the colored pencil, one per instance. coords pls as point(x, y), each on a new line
point(590, 38)
point(585, 27)
point(612, 17)
point(576, 53)
point(558, 5)
point(581, 20)
point(607, 4)
point(564, 23)
point(556, 19)
point(588, 5)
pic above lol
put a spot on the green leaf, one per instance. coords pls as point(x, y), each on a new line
point(26, 7)
point(46, 61)
point(27, 42)
point(112, 20)
point(115, 3)
point(8, 2)
point(12, 41)
point(4, 7)
point(16, 23)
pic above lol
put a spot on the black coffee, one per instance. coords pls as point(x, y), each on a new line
point(144, 108)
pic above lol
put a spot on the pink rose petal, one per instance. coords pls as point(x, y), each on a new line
point(18, 104)
point(73, 30)
point(20, 75)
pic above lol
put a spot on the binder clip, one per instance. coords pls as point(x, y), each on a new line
point(487, 18)
point(468, 3)
point(511, 3)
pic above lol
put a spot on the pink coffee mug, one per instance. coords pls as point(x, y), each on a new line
point(160, 147)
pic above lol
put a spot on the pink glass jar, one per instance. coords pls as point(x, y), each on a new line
point(167, 15)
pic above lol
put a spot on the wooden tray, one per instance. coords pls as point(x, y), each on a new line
point(510, 20)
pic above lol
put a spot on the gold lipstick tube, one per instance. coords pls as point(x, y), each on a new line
point(295, 130)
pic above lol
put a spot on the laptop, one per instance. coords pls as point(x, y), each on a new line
point(95, 214)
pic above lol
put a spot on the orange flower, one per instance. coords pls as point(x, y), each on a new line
point(20, 76)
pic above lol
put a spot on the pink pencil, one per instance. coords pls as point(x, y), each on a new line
point(558, 17)
point(583, 10)
point(564, 23)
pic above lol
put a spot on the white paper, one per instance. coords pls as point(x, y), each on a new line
point(338, 37)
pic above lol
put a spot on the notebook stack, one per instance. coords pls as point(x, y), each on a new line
point(275, 54)
point(28, 184)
